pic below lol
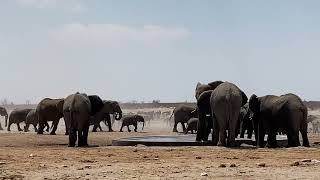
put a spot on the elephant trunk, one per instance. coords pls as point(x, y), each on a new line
point(118, 116)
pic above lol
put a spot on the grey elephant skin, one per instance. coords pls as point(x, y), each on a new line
point(246, 123)
point(192, 125)
point(49, 110)
point(226, 101)
point(32, 118)
point(181, 115)
point(17, 116)
point(3, 112)
point(110, 107)
point(132, 120)
point(77, 110)
point(286, 112)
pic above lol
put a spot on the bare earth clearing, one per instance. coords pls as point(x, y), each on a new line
point(31, 156)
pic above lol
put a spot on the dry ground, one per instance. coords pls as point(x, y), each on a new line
point(29, 156)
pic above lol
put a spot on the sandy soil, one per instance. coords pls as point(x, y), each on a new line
point(31, 156)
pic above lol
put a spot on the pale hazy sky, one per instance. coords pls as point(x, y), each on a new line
point(157, 49)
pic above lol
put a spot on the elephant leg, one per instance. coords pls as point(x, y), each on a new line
point(95, 127)
point(85, 135)
point(304, 135)
point(183, 126)
point(135, 127)
point(80, 138)
point(18, 126)
point(47, 126)
point(249, 131)
point(34, 127)
point(232, 134)
point(42, 122)
point(216, 132)
point(1, 127)
point(129, 128)
point(67, 128)
point(109, 124)
point(72, 137)
point(201, 128)
point(121, 128)
point(260, 138)
point(175, 127)
point(8, 129)
point(55, 126)
point(243, 130)
point(272, 139)
point(100, 128)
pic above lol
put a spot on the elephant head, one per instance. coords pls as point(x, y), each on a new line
point(254, 104)
point(200, 88)
point(96, 104)
point(113, 107)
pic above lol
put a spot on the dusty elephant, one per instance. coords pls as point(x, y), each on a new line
point(192, 125)
point(77, 109)
point(226, 101)
point(3, 112)
point(50, 110)
point(17, 116)
point(286, 112)
point(110, 107)
point(181, 115)
point(32, 118)
point(132, 120)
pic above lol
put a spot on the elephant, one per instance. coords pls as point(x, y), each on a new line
point(3, 112)
point(77, 109)
point(246, 123)
point(286, 112)
point(32, 118)
point(192, 125)
point(181, 115)
point(50, 110)
point(226, 101)
point(17, 116)
point(110, 107)
point(132, 120)
point(203, 94)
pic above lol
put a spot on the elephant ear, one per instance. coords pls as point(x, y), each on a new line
point(244, 98)
point(96, 104)
point(59, 105)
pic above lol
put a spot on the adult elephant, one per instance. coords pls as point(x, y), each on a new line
point(226, 101)
point(77, 110)
point(286, 112)
point(32, 118)
point(203, 94)
point(181, 115)
point(49, 110)
point(110, 107)
point(3, 112)
point(132, 120)
point(18, 116)
point(246, 123)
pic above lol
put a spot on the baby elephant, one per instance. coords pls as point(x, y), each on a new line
point(192, 125)
point(32, 118)
point(132, 120)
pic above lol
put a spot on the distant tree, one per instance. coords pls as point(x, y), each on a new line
point(156, 101)
point(28, 102)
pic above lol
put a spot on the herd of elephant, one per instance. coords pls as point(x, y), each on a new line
point(224, 109)
point(79, 112)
